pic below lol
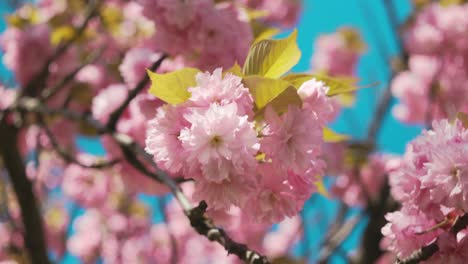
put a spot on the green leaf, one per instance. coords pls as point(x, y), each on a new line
point(62, 34)
point(272, 58)
point(331, 136)
point(172, 87)
point(285, 99)
point(236, 70)
point(264, 90)
point(338, 85)
point(320, 185)
point(262, 31)
point(297, 79)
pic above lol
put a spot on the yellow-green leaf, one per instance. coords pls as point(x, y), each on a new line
point(61, 34)
point(262, 31)
point(172, 87)
point(264, 90)
point(321, 187)
point(338, 85)
point(463, 118)
point(331, 136)
point(285, 99)
point(297, 79)
point(236, 70)
point(272, 58)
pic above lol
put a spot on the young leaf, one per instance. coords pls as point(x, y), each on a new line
point(297, 79)
point(272, 58)
point(172, 87)
point(264, 90)
point(236, 70)
point(285, 99)
point(321, 187)
point(331, 136)
point(338, 85)
point(61, 34)
point(261, 31)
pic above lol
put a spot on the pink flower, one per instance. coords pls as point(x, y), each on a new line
point(108, 100)
point(220, 195)
point(283, 12)
point(434, 172)
point(94, 75)
point(135, 63)
point(407, 231)
point(86, 242)
point(24, 61)
point(214, 88)
point(162, 140)
point(334, 56)
point(7, 96)
point(314, 97)
point(205, 34)
point(355, 184)
point(293, 139)
point(220, 141)
point(274, 199)
point(451, 250)
point(89, 187)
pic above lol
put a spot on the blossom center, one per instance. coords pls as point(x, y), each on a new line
point(216, 141)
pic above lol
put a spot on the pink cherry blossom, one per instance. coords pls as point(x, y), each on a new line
point(89, 187)
point(108, 100)
point(19, 57)
point(220, 141)
point(407, 231)
point(292, 139)
point(223, 90)
point(334, 56)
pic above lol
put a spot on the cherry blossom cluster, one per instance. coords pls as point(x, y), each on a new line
point(434, 85)
point(269, 164)
point(431, 186)
point(203, 34)
point(337, 53)
point(358, 181)
point(281, 12)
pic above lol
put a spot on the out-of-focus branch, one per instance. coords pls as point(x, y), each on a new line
point(50, 92)
point(428, 251)
point(133, 152)
point(68, 157)
point(34, 236)
point(335, 241)
point(40, 78)
point(114, 117)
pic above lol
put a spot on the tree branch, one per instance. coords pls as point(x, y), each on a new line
point(34, 236)
point(114, 117)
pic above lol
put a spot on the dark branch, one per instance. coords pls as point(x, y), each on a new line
point(50, 92)
point(205, 226)
point(34, 236)
point(68, 157)
point(114, 117)
point(40, 78)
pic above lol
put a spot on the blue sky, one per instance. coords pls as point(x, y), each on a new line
point(325, 16)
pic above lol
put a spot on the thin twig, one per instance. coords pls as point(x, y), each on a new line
point(114, 117)
point(50, 92)
point(40, 78)
point(69, 157)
